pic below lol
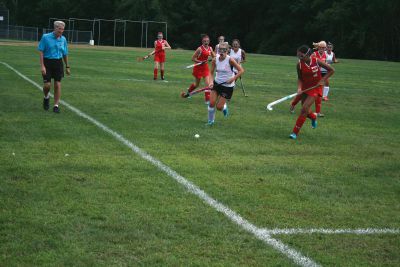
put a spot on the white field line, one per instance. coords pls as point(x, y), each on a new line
point(361, 231)
point(293, 254)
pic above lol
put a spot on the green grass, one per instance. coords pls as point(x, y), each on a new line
point(104, 205)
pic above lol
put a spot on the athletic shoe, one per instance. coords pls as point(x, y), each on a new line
point(325, 98)
point(46, 103)
point(291, 109)
point(314, 124)
point(210, 123)
point(226, 112)
point(293, 136)
point(56, 109)
point(320, 115)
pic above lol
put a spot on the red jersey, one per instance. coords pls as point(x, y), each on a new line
point(201, 71)
point(322, 58)
point(205, 53)
point(310, 75)
point(159, 46)
point(159, 55)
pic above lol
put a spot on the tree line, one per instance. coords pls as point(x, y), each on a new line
point(358, 29)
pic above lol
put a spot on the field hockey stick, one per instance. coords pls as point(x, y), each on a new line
point(196, 64)
point(241, 84)
point(270, 105)
point(140, 59)
point(194, 92)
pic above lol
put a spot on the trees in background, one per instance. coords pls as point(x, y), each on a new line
point(359, 29)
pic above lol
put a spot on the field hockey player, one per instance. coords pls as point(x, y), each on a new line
point(159, 56)
point(222, 87)
point(202, 70)
point(309, 75)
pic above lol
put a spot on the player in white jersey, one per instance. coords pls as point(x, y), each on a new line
point(330, 59)
point(237, 53)
point(222, 87)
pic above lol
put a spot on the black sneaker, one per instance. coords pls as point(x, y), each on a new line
point(46, 103)
point(56, 109)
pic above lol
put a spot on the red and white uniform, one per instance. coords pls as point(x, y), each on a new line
point(322, 58)
point(159, 55)
point(310, 75)
point(202, 71)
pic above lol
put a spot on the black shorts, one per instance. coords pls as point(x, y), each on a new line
point(54, 70)
point(224, 91)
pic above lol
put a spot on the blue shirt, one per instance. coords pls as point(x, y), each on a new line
point(52, 47)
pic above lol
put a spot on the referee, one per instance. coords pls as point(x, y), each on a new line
point(53, 50)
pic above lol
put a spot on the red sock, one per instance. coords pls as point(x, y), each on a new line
point(155, 74)
point(192, 87)
point(162, 74)
point(318, 104)
point(300, 121)
point(207, 96)
point(296, 100)
point(312, 115)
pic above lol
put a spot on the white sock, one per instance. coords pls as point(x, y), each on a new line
point(56, 105)
point(211, 113)
point(225, 106)
point(326, 91)
point(47, 96)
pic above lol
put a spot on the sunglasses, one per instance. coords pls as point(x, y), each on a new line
point(223, 50)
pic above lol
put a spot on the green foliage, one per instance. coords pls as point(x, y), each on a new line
point(359, 29)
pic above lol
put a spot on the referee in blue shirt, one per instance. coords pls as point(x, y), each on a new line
point(53, 50)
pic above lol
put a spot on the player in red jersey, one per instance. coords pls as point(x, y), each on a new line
point(320, 54)
point(309, 75)
point(159, 55)
point(201, 55)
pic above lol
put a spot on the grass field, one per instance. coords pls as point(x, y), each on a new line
point(71, 194)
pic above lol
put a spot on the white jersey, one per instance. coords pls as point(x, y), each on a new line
point(224, 71)
point(329, 57)
point(237, 56)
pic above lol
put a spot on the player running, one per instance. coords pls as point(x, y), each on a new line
point(309, 75)
point(320, 54)
point(201, 55)
point(159, 55)
point(330, 59)
point(222, 87)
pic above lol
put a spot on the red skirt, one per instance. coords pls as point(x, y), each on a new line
point(159, 57)
point(201, 71)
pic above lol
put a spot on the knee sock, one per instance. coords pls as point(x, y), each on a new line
point(318, 104)
point(296, 100)
point(155, 74)
point(326, 91)
point(211, 113)
point(207, 96)
point(312, 116)
point(162, 74)
point(192, 87)
point(299, 123)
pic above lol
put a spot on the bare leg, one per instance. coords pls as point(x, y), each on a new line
point(57, 93)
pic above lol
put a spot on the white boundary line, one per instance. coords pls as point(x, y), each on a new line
point(361, 231)
point(291, 253)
